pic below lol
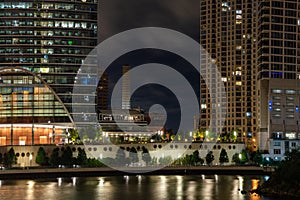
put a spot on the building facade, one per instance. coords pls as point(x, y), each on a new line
point(42, 47)
point(228, 36)
point(278, 74)
point(279, 116)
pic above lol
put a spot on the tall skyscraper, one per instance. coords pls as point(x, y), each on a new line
point(278, 74)
point(126, 87)
point(42, 46)
point(228, 35)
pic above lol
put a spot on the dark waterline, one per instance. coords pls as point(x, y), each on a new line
point(209, 187)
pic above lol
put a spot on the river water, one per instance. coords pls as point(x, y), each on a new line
point(135, 187)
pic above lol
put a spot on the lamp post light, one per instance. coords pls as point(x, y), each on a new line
point(235, 135)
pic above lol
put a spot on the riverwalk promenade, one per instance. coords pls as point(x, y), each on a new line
point(106, 171)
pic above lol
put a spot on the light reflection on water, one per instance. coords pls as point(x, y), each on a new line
point(214, 187)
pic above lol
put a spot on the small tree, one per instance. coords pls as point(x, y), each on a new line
point(81, 157)
point(146, 156)
point(223, 157)
point(196, 158)
point(133, 156)
point(120, 159)
point(258, 159)
point(209, 158)
point(244, 156)
point(54, 158)
point(235, 158)
point(67, 157)
point(10, 158)
point(41, 157)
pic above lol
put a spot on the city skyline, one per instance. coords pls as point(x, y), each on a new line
point(252, 43)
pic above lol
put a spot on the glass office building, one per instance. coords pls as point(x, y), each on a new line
point(43, 44)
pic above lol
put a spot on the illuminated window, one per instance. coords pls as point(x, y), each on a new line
point(290, 135)
point(290, 91)
point(239, 83)
point(276, 91)
point(43, 140)
point(290, 116)
point(2, 141)
point(224, 79)
point(22, 140)
point(238, 73)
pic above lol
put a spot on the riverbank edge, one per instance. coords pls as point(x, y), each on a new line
point(269, 192)
point(106, 171)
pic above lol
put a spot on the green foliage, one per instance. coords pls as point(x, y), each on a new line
point(133, 156)
point(240, 158)
point(107, 161)
point(244, 157)
point(120, 159)
point(187, 160)
point(190, 160)
point(81, 157)
point(93, 162)
point(67, 157)
point(54, 158)
point(146, 156)
point(209, 158)
point(10, 158)
point(41, 157)
point(235, 158)
point(258, 159)
point(196, 158)
point(173, 137)
point(73, 136)
point(286, 178)
point(154, 161)
point(165, 160)
point(223, 157)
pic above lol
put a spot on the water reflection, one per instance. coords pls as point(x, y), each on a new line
point(30, 190)
point(254, 186)
point(179, 188)
point(74, 179)
point(134, 187)
point(101, 182)
point(59, 181)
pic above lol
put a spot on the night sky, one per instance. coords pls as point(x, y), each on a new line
point(180, 15)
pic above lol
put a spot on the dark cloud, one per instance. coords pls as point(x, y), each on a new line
point(119, 15)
